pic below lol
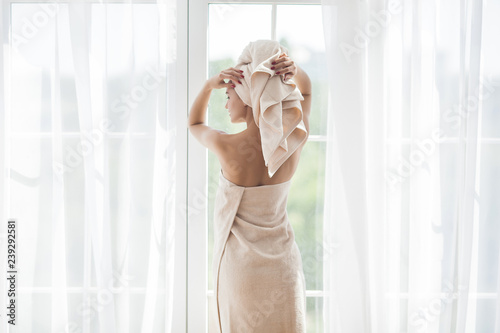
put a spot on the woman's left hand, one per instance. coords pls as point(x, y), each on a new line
point(284, 66)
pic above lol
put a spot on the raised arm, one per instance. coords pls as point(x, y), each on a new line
point(210, 137)
point(304, 84)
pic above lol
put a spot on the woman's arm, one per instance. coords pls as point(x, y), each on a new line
point(199, 107)
point(209, 137)
point(303, 82)
point(287, 67)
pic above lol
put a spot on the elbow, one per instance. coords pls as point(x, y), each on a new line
point(193, 124)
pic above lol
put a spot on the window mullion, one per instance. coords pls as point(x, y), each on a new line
point(274, 14)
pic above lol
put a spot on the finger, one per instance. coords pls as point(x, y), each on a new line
point(277, 62)
point(285, 70)
point(287, 76)
point(230, 76)
point(281, 60)
point(235, 73)
point(281, 66)
point(234, 69)
point(238, 74)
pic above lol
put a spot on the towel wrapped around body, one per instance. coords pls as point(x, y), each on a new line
point(259, 284)
point(275, 103)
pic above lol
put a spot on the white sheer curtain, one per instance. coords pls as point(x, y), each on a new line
point(412, 166)
point(88, 142)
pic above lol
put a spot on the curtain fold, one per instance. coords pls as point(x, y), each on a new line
point(90, 146)
point(59, 307)
point(89, 113)
point(404, 166)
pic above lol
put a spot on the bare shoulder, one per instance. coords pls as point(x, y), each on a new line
point(243, 162)
point(239, 145)
point(214, 139)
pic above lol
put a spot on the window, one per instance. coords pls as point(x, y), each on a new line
point(231, 26)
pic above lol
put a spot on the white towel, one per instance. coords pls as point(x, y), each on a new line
point(275, 103)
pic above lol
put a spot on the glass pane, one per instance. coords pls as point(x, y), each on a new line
point(491, 71)
point(32, 63)
point(34, 313)
point(124, 94)
point(307, 47)
point(485, 315)
point(305, 211)
point(447, 73)
point(132, 95)
point(314, 316)
point(30, 202)
point(213, 183)
point(211, 314)
point(453, 109)
point(232, 26)
point(489, 215)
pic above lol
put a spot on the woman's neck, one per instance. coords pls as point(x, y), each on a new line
point(251, 125)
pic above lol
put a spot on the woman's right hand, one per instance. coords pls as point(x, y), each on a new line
point(285, 66)
point(232, 74)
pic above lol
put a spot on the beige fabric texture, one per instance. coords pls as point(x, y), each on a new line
point(275, 103)
point(259, 283)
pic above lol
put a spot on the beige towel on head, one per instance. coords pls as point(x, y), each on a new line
point(275, 103)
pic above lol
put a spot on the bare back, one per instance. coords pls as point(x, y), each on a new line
point(243, 162)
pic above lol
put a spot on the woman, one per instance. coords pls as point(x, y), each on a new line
point(259, 283)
